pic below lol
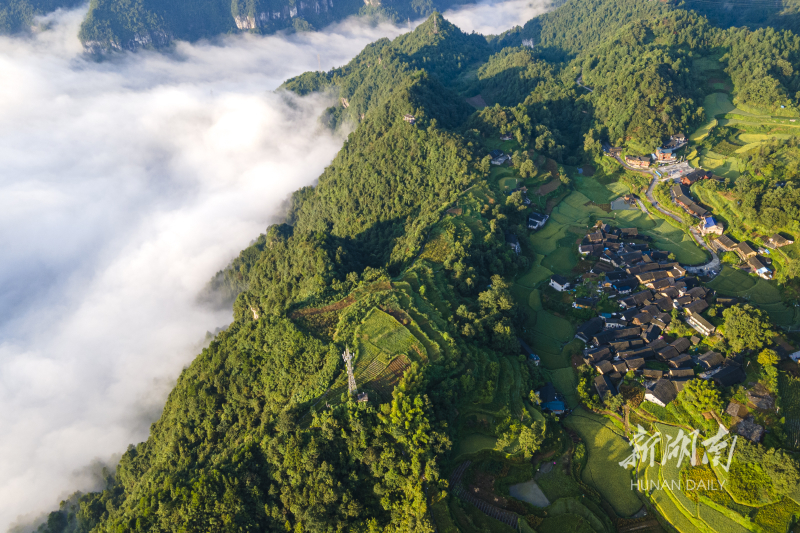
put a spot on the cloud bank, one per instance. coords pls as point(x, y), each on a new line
point(125, 185)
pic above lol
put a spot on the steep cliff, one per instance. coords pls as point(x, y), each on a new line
point(129, 25)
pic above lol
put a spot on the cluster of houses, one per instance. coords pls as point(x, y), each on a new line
point(747, 253)
point(624, 342)
point(663, 154)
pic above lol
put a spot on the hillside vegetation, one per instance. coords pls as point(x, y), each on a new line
point(413, 252)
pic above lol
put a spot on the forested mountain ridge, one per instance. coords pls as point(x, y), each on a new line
point(414, 252)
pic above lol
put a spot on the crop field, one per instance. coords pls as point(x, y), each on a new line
point(733, 282)
point(790, 401)
point(718, 521)
point(556, 484)
point(567, 506)
point(717, 104)
point(670, 473)
point(390, 376)
point(606, 449)
point(565, 382)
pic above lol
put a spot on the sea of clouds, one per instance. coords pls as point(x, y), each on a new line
point(124, 186)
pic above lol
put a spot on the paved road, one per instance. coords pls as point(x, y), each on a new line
point(714, 263)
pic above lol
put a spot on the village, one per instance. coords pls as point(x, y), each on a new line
point(637, 343)
point(753, 260)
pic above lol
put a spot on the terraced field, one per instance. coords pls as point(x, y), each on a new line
point(733, 282)
point(606, 448)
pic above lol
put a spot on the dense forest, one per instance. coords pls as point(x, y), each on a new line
point(18, 15)
point(380, 258)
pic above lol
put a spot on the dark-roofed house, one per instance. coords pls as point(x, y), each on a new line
point(657, 344)
point(651, 333)
point(513, 242)
point(604, 367)
point(584, 303)
point(616, 323)
point(748, 429)
point(665, 354)
point(759, 268)
point(679, 361)
point(729, 374)
point(701, 324)
point(625, 286)
point(681, 344)
point(661, 392)
point(725, 243)
point(652, 374)
point(681, 373)
point(635, 364)
point(537, 220)
point(737, 411)
point(637, 299)
point(604, 385)
point(621, 367)
point(777, 240)
point(679, 383)
point(745, 251)
point(588, 329)
point(710, 360)
point(598, 354)
point(559, 283)
point(551, 400)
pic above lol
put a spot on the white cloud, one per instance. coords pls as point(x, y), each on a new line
point(493, 18)
point(124, 186)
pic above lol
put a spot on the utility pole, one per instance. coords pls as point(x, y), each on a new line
point(351, 380)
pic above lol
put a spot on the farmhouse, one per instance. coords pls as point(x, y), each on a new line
point(537, 220)
point(559, 283)
point(603, 385)
point(701, 324)
point(638, 161)
point(710, 360)
point(550, 399)
point(409, 118)
point(584, 303)
point(725, 243)
point(587, 330)
point(759, 268)
point(729, 374)
point(710, 226)
point(744, 250)
point(505, 137)
point(661, 392)
point(777, 240)
point(664, 154)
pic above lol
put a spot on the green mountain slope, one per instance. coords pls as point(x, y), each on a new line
point(400, 254)
point(18, 15)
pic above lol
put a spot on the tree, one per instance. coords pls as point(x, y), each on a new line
point(768, 359)
point(613, 402)
point(565, 180)
point(746, 328)
point(531, 438)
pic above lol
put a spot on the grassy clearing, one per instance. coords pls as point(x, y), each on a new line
point(606, 449)
point(717, 104)
point(474, 443)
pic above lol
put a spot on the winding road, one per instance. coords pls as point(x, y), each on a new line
point(709, 268)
